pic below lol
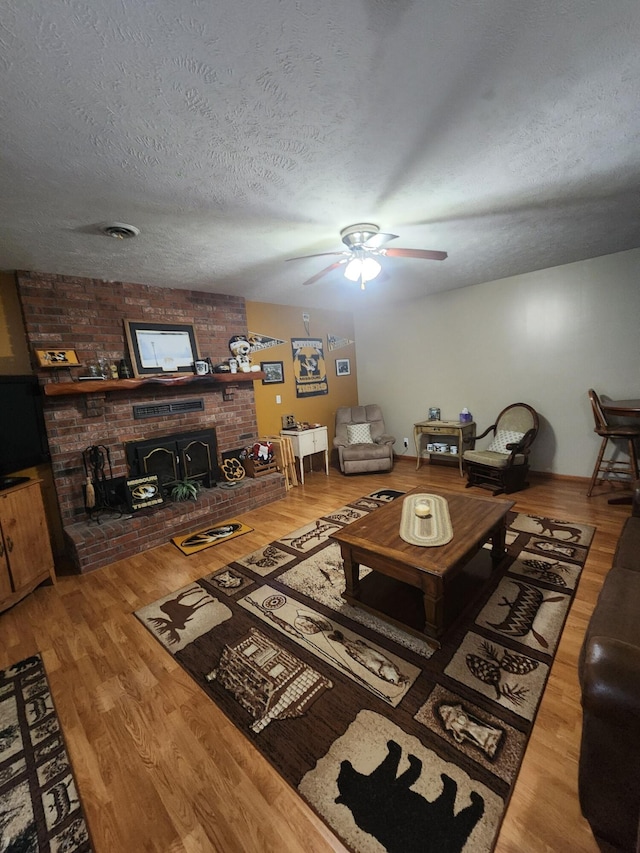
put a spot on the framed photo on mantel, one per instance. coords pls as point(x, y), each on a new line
point(161, 348)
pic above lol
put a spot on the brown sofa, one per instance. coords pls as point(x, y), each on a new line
point(609, 669)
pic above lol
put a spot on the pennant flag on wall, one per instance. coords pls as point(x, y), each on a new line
point(334, 342)
point(259, 342)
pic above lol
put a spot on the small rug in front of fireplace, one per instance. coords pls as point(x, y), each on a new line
point(211, 535)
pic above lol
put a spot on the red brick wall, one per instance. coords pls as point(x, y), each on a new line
point(87, 315)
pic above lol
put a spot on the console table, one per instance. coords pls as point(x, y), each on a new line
point(306, 442)
point(464, 433)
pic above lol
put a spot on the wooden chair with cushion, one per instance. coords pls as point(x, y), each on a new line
point(361, 440)
point(612, 468)
point(503, 466)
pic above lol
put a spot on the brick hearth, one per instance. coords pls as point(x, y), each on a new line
point(92, 545)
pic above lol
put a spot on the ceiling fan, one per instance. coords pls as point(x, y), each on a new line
point(365, 244)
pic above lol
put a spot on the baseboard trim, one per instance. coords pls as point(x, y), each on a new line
point(540, 475)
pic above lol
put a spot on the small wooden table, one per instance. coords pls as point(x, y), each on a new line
point(399, 568)
point(306, 442)
point(463, 431)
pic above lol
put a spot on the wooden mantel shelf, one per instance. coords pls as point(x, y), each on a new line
point(103, 386)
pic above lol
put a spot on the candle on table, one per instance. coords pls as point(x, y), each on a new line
point(422, 509)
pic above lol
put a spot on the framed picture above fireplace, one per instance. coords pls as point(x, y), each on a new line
point(161, 347)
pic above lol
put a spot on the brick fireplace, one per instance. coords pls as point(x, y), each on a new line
point(87, 315)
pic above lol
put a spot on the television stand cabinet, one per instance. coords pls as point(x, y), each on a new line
point(26, 559)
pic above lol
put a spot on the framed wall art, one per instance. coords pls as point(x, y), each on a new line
point(56, 357)
point(343, 367)
point(274, 371)
point(161, 347)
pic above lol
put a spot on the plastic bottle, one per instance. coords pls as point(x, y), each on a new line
point(465, 416)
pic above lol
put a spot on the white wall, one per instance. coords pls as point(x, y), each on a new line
point(543, 338)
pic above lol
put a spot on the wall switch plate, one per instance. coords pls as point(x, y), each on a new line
point(278, 399)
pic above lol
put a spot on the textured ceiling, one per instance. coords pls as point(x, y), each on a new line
point(236, 134)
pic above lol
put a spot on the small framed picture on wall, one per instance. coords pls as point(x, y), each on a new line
point(274, 372)
point(343, 367)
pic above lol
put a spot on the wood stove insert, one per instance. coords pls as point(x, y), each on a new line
point(179, 456)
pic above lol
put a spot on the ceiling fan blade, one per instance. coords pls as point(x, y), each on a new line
point(319, 255)
point(323, 272)
point(379, 240)
point(426, 254)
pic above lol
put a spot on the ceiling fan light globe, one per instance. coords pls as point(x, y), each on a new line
point(352, 269)
point(370, 269)
point(362, 270)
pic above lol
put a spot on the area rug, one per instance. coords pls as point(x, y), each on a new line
point(191, 543)
point(39, 805)
point(397, 746)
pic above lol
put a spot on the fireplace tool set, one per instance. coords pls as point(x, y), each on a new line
point(99, 489)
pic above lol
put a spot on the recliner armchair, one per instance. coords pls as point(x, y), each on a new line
point(361, 441)
point(504, 464)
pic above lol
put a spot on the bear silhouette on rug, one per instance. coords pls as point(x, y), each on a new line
point(400, 819)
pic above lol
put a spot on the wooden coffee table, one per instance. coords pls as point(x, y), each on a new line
point(445, 577)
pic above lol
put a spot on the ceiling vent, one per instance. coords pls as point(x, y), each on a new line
point(120, 231)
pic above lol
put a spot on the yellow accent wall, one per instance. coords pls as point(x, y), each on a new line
point(285, 322)
point(14, 353)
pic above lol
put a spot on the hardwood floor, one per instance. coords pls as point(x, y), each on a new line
point(161, 769)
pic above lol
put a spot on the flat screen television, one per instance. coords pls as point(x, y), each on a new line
point(23, 437)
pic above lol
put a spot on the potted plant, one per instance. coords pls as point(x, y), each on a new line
point(184, 490)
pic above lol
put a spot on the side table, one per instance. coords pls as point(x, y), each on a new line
point(306, 442)
point(464, 433)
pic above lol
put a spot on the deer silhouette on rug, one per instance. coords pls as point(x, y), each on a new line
point(178, 614)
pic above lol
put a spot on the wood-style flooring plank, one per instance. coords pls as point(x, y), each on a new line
point(159, 766)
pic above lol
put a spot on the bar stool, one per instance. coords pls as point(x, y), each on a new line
point(612, 467)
